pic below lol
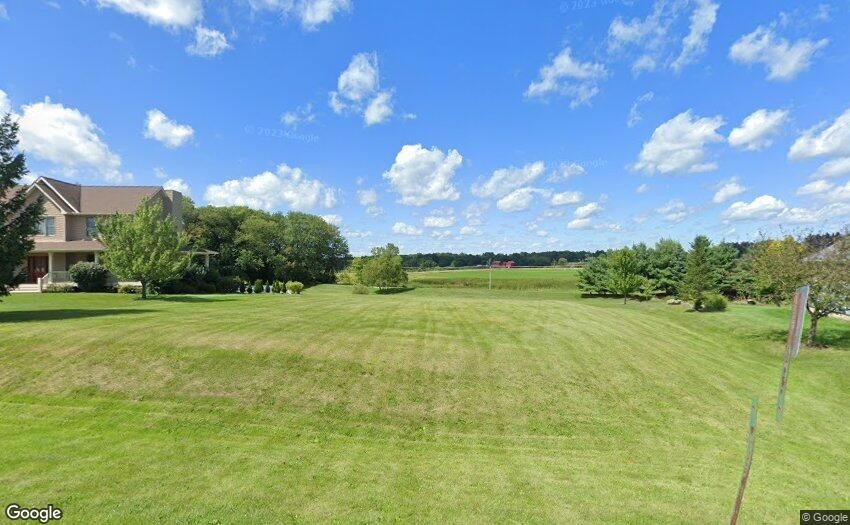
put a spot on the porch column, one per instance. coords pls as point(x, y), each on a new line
point(96, 257)
point(50, 262)
point(207, 260)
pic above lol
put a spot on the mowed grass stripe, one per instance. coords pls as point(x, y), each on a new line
point(438, 404)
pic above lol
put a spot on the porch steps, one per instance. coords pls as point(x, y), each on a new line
point(26, 288)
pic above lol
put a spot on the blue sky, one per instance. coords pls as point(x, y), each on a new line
point(442, 126)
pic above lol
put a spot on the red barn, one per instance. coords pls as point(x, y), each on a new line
point(500, 264)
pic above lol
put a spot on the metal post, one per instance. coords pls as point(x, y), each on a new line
point(748, 460)
point(490, 264)
point(792, 346)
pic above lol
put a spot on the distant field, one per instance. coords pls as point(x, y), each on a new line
point(432, 405)
point(503, 278)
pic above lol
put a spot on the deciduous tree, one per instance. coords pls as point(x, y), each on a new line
point(828, 276)
point(144, 246)
point(384, 268)
point(623, 276)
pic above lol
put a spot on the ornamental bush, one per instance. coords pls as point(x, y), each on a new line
point(60, 288)
point(294, 287)
point(89, 276)
point(361, 289)
point(258, 286)
point(714, 303)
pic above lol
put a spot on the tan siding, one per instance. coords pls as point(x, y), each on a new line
point(50, 210)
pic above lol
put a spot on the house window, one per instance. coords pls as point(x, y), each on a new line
point(91, 228)
point(47, 226)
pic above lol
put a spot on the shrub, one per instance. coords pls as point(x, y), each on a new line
point(276, 287)
point(227, 284)
point(258, 286)
point(294, 287)
point(361, 289)
point(89, 276)
point(247, 287)
point(60, 288)
point(714, 303)
point(128, 288)
point(194, 279)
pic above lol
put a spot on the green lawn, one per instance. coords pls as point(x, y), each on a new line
point(503, 278)
point(439, 404)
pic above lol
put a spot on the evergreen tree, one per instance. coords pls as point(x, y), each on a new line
point(723, 257)
point(667, 265)
point(700, 274)
point(593, 277)
point(18, 220)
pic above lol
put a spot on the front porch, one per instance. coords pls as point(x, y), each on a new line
point(43, 268)
point(53, 266)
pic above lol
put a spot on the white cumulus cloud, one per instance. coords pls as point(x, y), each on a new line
point(824, 140)
point(816, 187)
point(69, 138)
point(588, 210)
point(566, 197)
point(580, 224)
point(358, 90)
point(440, 219)
point(159, 127)
point(402, 228)
point(727, 190)
point(674, 211)
point(314, 13)
point(421, 175)
point(208, 43)
point(678, 145)
point(760, 208)
point(833, 168)
point(379, 109)
point(782, 59)
point(287, 187)
point(757, 130)
point(168, 13)
point(518, 200)
point(569, 77)
point(504, 180)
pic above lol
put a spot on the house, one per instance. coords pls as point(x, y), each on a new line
point(501, 264)
point(67, 232)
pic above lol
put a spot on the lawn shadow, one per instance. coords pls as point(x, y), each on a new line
point(28, 316)
point(387, 291)
point(187, 299)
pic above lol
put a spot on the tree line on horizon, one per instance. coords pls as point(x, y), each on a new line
point(556, 257)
